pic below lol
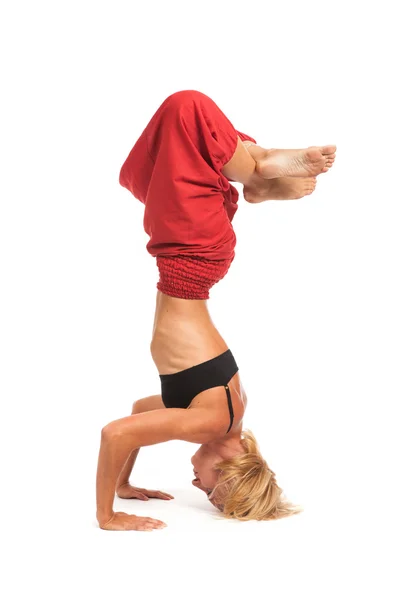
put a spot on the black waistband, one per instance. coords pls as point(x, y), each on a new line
point(178, 389)
point(216, 368)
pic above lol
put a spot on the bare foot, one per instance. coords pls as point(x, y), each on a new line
point(296, 163)
point(280, 188)
point(291, 188)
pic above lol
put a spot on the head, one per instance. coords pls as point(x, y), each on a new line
point(238, 481)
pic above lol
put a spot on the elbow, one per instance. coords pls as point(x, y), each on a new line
point(110, 433)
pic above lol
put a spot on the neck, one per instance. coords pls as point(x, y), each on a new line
point(228, 446)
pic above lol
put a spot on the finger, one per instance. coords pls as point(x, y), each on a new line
point(159, 494)
point(148, 525)
point(156, 523)
point(164, 496)
point(141, 497)
point(168, 495)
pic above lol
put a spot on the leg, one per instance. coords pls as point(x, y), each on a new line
point(294, 163)
point(256, 188)
point(175, 169)
point(242, 166)
point(261, 171)
point(179, 168)
point(279, 188)
point(285, 188)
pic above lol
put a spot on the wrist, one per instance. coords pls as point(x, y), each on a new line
point(121, 487)
point(121, 483)
point(104, 518)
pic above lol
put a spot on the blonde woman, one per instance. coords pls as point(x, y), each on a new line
point(180, 169)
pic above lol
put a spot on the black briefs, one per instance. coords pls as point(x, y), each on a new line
point(179, 389)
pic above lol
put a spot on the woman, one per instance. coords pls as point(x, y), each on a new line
point(180, 169)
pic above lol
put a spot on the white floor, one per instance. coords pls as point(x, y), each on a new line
point(318, 554)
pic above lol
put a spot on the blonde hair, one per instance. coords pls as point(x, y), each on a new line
point(248, 487)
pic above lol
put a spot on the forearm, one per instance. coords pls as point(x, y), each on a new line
point(115, 449)
point(127, 468)
point(139, 406)
point(119, 438)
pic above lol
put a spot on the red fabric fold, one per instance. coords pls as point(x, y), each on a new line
point(174, 169)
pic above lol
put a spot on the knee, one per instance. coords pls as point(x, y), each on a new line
point(183, 98)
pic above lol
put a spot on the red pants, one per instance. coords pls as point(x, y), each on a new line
point(175, 170)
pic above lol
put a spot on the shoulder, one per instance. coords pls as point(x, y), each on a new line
point(212, 408)
point(206, 419)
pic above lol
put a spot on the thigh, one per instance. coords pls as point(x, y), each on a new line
point(148, 403)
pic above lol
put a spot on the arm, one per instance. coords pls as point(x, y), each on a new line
point(126, 472)
point(120, 437)
point(123, 488)
point(142, 405)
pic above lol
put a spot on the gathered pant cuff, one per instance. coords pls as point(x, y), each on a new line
point(190, 277)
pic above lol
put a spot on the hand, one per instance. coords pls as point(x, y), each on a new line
point(128, 491)
point(121, 521)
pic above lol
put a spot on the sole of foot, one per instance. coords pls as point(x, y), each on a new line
point(296, 163)
point(280, 188)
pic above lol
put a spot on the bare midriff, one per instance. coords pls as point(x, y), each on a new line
point(183, 334)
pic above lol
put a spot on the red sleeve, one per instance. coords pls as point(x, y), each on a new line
point(244, 136)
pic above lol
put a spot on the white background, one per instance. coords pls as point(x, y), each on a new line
point(309, 306)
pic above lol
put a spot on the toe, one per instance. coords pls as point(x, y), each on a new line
point(328, 150)
point(314, 155)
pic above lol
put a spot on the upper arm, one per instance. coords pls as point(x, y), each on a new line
point(148, 403)
point(162, 425)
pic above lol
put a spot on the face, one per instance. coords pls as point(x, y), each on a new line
point(206, 476)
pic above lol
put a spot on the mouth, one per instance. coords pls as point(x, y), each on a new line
point(197, 479)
